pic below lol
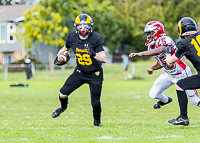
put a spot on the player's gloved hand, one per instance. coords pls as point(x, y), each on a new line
point(170, 49)
point(91, 51)
point(56, 62)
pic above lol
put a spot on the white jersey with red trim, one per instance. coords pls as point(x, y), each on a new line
point(174, 69)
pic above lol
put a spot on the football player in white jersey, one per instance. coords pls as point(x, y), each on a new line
point(157, 42)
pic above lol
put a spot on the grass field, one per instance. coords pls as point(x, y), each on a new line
point(127, 116)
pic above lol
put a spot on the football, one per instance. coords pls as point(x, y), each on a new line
point(64, 57)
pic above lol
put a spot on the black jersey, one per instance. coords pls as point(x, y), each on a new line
point(84, 62)
point(190, 47)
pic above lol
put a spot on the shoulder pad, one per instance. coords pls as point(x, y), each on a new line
point(96, 39)
point(71, 36)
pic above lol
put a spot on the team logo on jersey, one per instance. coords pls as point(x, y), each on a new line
point(82, 50)
point(97, 73)
point(86, 45)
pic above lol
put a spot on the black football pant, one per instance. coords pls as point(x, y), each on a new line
point(192, 82)
point(95, 80)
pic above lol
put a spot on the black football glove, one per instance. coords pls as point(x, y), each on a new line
point(56, 62)
point(91, 51)
point(170, 49)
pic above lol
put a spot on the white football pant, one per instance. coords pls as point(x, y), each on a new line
point(166, 80)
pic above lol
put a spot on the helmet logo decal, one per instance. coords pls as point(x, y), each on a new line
point(179, 26)
point(78, 20)
point(88, 19)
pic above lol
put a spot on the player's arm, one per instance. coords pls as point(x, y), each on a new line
point(170, 56)
point(63, 49)
point(101, 56)
point(155, 67)
point(56, 62)
point(152, 52)
point(98, 52)
point(171, 59)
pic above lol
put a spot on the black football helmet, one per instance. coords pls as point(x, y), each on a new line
point(83, 24)
point(186, 26)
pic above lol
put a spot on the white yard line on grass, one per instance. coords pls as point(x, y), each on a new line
point(106, 137)
point(166, 136)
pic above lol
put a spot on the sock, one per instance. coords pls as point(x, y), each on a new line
point(163, 97)
point(64, 102)
point(183, 101)
point(97, 114)
point(97, 111)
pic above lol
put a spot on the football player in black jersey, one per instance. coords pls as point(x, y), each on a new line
point(87, 45)
point(189, 45)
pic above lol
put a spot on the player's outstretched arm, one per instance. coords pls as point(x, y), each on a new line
point(152, 52)
point(131, 55)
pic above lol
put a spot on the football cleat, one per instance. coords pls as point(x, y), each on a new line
point(97, 123)
point(179, 121)
point(57, 112)
point(159, 103)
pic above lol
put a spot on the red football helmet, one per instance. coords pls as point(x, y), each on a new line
point(153, 30)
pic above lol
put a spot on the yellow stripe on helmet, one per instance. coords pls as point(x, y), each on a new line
point(179, 27)
point(88, 20)
point(78, 20)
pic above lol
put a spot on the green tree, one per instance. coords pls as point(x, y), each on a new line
point(48, 22)
point(179, 9)
point(120, 22)
point(106, 24)
point(134, 14)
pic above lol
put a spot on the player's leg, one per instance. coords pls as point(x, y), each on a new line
point(160, 84)
point(96, 103)
point(183, 118)
point(125, 73)
point(187, 81)
point(182, 100)
point(73, 82)
point(64, 102)
point(95, 86)
point(192, 82)
point(193, 97)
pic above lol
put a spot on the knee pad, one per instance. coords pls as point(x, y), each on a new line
point(152, 94)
